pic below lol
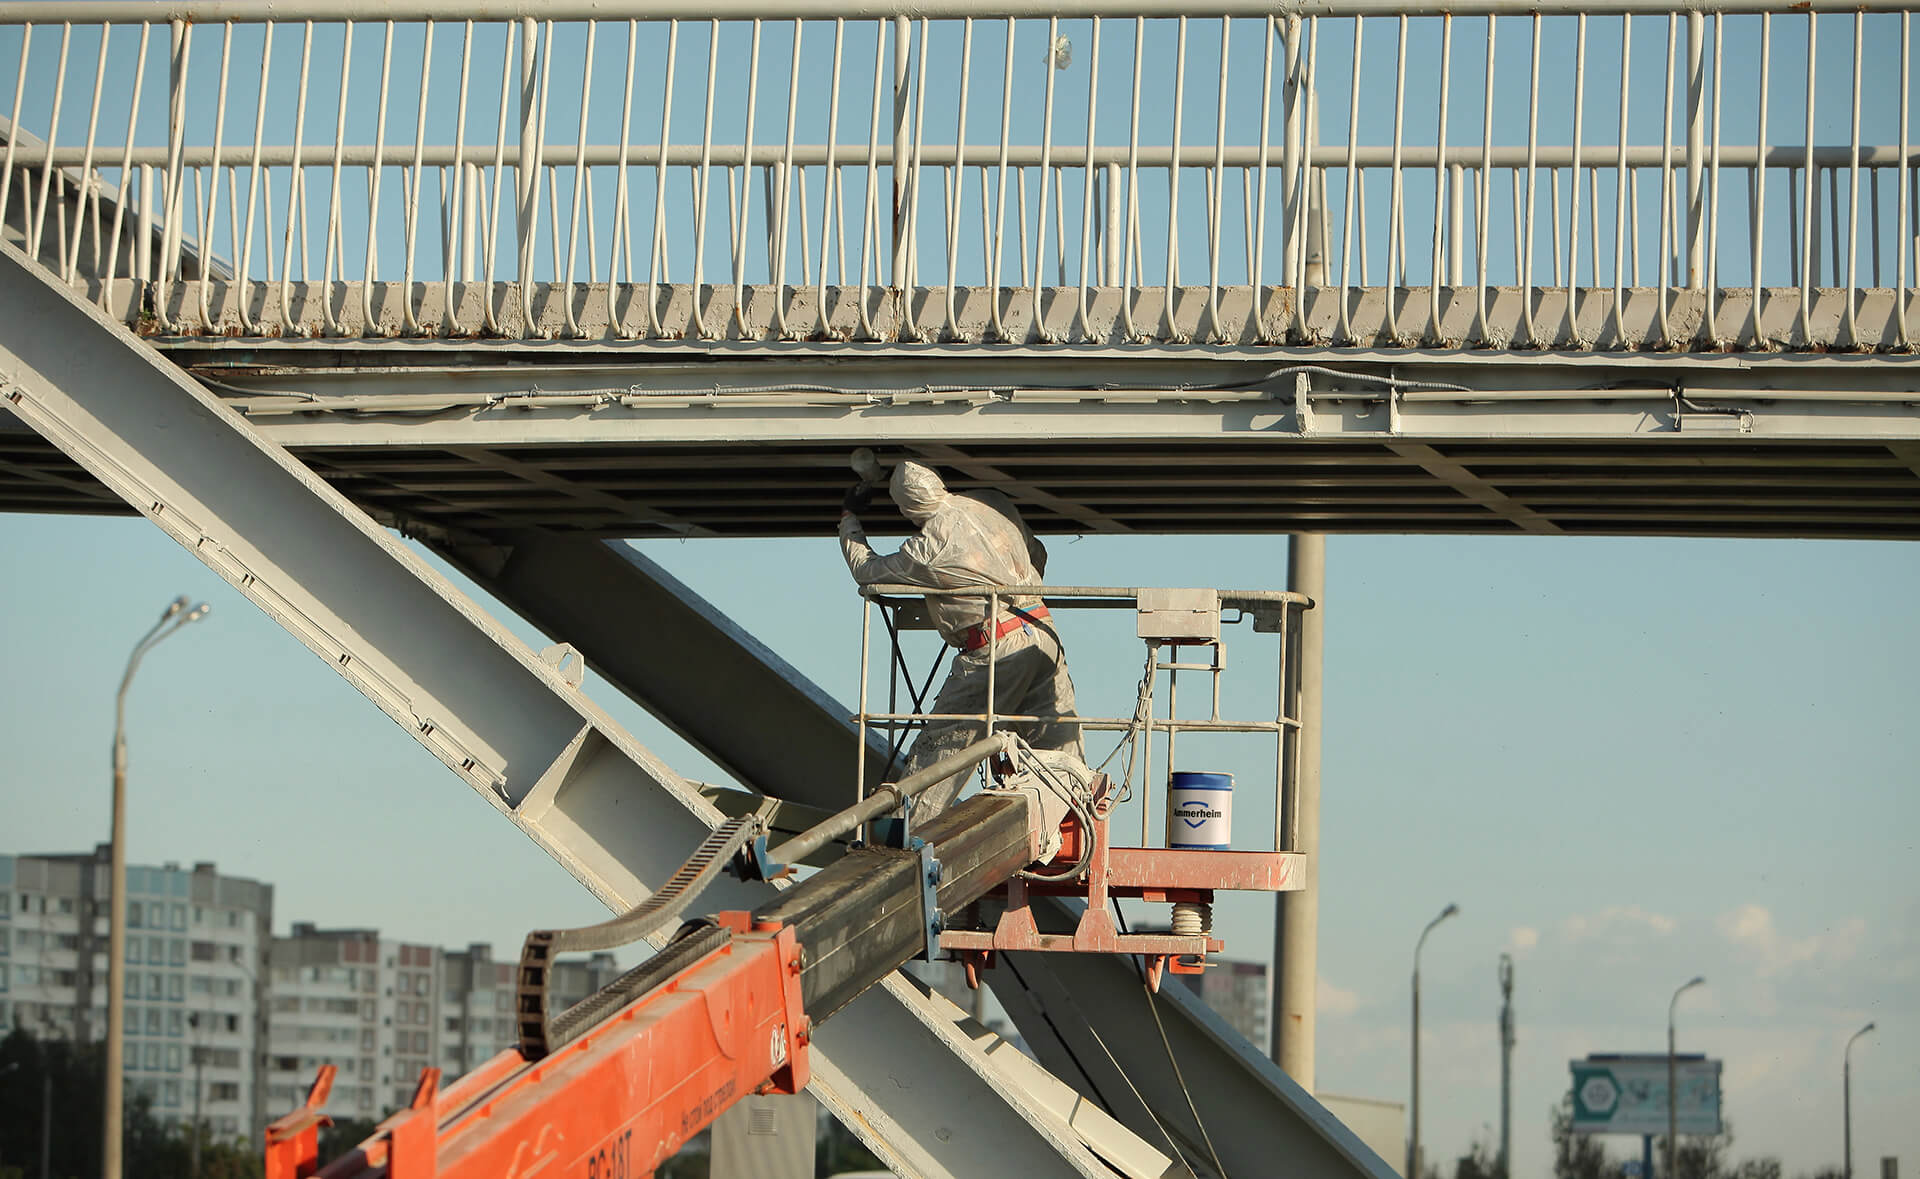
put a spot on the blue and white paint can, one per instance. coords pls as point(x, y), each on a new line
point(1200, 811)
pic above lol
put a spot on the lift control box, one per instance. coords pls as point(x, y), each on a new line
point(1179, 615)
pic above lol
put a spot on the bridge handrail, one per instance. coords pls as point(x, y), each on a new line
point(850, 210)
point(261, 11)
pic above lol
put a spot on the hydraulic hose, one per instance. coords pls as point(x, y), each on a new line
point(890, 796)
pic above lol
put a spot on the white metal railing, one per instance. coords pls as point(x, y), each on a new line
point(201, 166)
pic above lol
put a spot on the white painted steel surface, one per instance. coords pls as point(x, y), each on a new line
point(635, 173)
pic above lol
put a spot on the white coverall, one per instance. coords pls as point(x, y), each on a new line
point(967, 540)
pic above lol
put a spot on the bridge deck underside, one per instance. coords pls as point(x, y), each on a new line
point(1678, 487)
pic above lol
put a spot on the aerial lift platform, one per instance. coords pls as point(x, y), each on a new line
point(617, 1084)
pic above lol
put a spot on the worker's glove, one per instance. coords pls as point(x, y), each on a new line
point(849, 525)
point(859, 499)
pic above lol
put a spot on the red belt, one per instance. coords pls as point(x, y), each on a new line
point(975, 637)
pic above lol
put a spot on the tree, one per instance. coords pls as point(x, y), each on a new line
point(343, 1136)
point(1577, 1156)
point(1480, 1162)
point(72, 1074)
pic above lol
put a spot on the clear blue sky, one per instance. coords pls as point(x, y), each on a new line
point(1629, 761)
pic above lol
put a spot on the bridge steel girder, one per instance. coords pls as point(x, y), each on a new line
point(1085, 1016)
point(927, 1100)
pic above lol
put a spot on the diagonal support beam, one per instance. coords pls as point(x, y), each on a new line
point(1475, 488)
point(483, 702)
point(679, 657)
point(1072, 1009)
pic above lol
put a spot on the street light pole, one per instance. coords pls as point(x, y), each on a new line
point(175, 616)
point(1413, 1135)
point(1846, 1100)
point(1673, 1116)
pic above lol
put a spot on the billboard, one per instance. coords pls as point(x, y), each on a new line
point(1627, 1094)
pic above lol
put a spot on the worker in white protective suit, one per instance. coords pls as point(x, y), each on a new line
point(971, 540)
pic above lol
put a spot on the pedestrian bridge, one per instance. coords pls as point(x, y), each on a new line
point(1238, 267)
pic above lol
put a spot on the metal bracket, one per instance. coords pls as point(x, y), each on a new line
point(931, 917)
point(751, 862)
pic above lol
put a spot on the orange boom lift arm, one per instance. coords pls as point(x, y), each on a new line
point(725, 1021)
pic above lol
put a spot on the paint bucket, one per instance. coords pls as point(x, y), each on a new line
point(1200, 811)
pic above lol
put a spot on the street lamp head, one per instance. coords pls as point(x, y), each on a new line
point(1450, 911)
point(1698, 980)
point(1863, 1031)
point(197, 613)
point(174, 607)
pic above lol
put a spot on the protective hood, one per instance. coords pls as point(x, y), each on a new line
point(917, 491)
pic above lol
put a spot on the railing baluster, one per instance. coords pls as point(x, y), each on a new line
point(71, 260)
point(738, 224)
point(1000, 188)
point(1484, 187)
point(1809, 262)
point(1086, 187)
point(39, 222)
point(656, 253)
point(374, 173)
point(829, 204)
point(1853, 192)
point(1757, 226)
point(778, 277)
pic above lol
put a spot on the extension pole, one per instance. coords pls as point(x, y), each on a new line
point(1296, 931)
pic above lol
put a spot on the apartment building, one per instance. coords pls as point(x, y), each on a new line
point(477, 1003)
point(360, 1002)
point(226, 1022)
point(196, 957)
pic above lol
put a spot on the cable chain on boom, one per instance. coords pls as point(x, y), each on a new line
point(539, 1034)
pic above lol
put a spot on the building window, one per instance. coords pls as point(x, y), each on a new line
point(173, 1058)
point(27, 976)
point(28, 939)
point(152, 1054)
point(156, 950)
point(3, 985)
point(174, 1023)
point(177, 952)
point(153, 1021)
point(133, 950)
point(135, 911)
point(202, 985)
point(199, 915)
point(170, 1093)
point(66, 905)
point(179, 915)
point(176, 987)
point(155, 987)
point(224, 1091)
point(233, 919)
